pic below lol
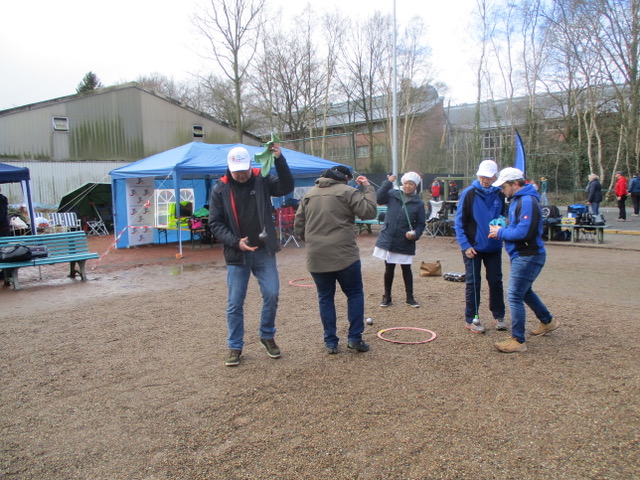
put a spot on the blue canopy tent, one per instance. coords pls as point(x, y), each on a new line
point(11, 174)
point(194, 166)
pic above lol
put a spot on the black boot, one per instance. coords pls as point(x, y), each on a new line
point(412, 301)
point(386, 300)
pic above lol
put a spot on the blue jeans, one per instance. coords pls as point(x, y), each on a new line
point(350, 281)
point(493, 272)
point(595, 208)
point(524, 271)
point(264, 268)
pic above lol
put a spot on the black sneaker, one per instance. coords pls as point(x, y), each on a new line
point(386, 301)
point(272, 349)
point(233, 359)
point(358, 345)
point(331, 349)
point(412, 302)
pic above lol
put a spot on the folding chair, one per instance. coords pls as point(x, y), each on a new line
point(66, 221)
point(436, 222)
point(97, 227)
point(199, 227)
point(284, 222)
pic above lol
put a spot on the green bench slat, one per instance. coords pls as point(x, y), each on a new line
point(66, 247)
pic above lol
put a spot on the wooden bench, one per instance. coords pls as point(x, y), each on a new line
point(64, 247)
point(366, 224)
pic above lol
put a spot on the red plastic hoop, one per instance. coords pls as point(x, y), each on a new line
point(381, 337)
point(295, 284)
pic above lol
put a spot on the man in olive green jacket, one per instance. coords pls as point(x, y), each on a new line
point(325, 221)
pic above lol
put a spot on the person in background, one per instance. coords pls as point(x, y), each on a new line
point(5, 230)
point(324, 220)
point(435, 190)
point(403, 226)
point(544, 187)
point(522, 238)
point(621, 195)
point(240, 218)
point(594, 193)
point(634, 192)
point(454, 196)
point(480, 204)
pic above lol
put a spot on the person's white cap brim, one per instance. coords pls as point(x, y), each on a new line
point(238, 159)
point(508, 175)
point(487, 168)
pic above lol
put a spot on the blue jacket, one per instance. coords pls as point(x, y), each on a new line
point(392, 235)
point(475, 210)
point(523, 234)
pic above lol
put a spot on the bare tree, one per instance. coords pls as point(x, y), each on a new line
point(159, 83)
point(232, 29)
point(416, 96)
point(290, 80)
point(365, 59)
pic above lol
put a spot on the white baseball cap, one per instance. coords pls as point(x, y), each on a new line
point(238, 159)
point(508, 175)
point(487, 168)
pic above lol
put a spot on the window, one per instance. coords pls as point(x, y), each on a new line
point(379, 152)
point(166, 197)
point(338, 154)
point(362, 151)
point(60, 124)
point(198, 131)
point(491, 144)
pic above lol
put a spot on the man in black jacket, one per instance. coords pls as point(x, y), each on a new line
point(240, 218)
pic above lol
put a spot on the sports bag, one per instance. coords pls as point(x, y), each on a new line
point(15, 253)
point(551, 211)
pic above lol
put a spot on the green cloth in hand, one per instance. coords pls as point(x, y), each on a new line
point(266, 158)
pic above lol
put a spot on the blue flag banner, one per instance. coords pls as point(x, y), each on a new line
point(520, 155)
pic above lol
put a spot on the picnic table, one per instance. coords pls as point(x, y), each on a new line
point(579, 232)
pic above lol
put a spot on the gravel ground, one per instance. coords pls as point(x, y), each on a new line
point(122, 377)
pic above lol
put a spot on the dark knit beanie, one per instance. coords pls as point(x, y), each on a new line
point(339, 173)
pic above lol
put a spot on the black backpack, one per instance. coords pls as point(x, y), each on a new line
point(551, 211)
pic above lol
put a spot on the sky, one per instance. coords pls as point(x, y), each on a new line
point(47, 47)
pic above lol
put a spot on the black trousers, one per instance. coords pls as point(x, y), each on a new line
point(621, 208)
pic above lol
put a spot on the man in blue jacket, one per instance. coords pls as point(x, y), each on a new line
point(479, 204)
point(240, 218)
point(523, 242)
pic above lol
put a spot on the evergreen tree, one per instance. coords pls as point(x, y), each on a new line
point(89, 82)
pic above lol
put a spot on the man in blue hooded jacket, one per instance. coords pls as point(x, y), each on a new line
point(480, 204)
point(523, 242)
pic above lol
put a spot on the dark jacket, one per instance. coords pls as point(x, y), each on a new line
point(594, 191)
point(634, 185)
point(392, 235)
point(222, 219)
